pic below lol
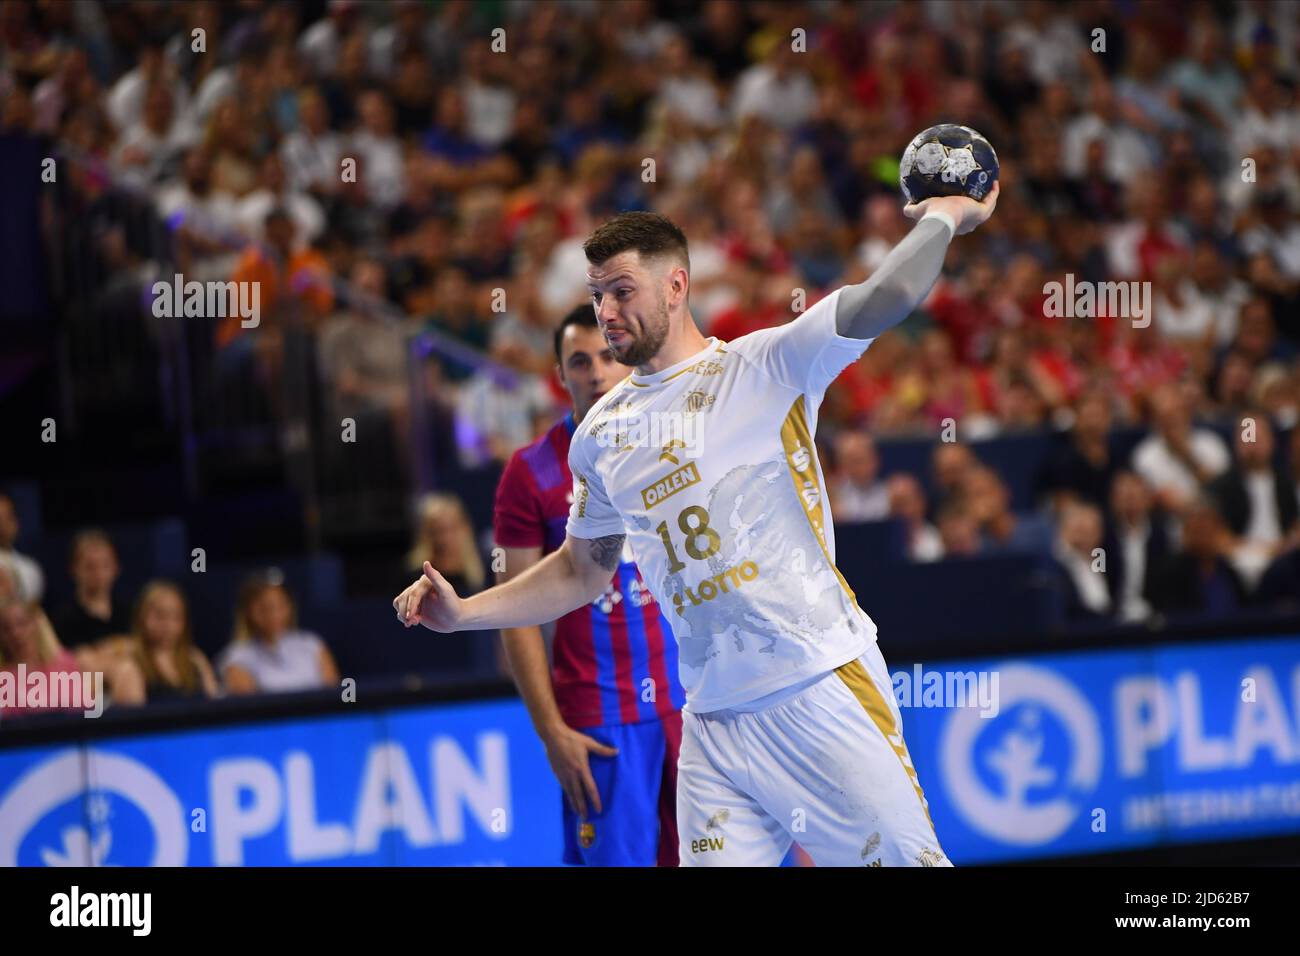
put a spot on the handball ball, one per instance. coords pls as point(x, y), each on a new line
point(948, 160)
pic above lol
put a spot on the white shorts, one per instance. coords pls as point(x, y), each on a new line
point(825, 766)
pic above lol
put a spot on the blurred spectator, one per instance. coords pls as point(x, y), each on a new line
point(686, 87)
point(1207, 85)
point(988, 502)
point(754, 309)
point(1136, 542)
point(857, 491)
point(1084, 467)
point(1276, 232)
point(1078, 555)
point(147, 146)
point(526, 323)
point(287, 275)
point(93, 613)
point(381, 165)
point(1279, 587)
point(363, 353)
point(28, 639)
point(907, 503)
point(160, 648)
point(1178, 459)
point(312, 153)
point(1200, 577)
point(1256, 498)
point(268, 653)
point(127, 102)
point(273, 192)
point(445, 538)
point(204, 218)
point(777, 90)
point(27, 573)
point(453, 311)
point(950, 463)
point(498, 412)
point(959, 530)
point(9, 589)
point(321, 43)
point(1126, 150)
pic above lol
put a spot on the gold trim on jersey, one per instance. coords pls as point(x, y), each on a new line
point(799, 452)
point(694, 366)
point(859, 682)
point(662, 380)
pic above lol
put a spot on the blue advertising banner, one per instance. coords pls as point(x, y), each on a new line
point(1105, 751)
point(1020, 758)
point(442, 785)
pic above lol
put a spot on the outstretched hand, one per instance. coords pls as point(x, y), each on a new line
point(430, 601)
point(967, 213)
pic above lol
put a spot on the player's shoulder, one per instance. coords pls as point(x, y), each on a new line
point(818, 318)
point(539, 458)
point(597, 418)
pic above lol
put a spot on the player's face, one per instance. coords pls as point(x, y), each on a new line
point(588, 368)
point(631, 306)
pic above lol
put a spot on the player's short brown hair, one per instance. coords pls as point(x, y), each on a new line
point(648, 233)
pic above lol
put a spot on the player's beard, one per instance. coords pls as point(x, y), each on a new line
point(653, 335)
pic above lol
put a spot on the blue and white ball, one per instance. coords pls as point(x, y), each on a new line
point(948, 160)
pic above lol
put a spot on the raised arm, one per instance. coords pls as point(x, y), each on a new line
point(867, 309)
point(567, 578)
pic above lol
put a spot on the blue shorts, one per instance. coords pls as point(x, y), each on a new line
point(638, 794)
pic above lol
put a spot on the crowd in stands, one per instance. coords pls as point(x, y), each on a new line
point(385, 169)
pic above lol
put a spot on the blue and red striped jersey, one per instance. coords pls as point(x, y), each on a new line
point(614, 661)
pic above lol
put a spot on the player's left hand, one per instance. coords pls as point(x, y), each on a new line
point(967, 213)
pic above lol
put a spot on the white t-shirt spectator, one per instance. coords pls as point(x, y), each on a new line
point(926, 544)
point(26, 572)
point(490, 111)
point(564, 278)
point(383, 167)
point(488, 409)
point(292, 663)
point(125, 102)
point(306, 213)
point(312, 161)
point(1133, 541)
point(1127, 153)
point(319, 47)
point(1088, 584)
point(158, 149)
point(1161, 468)
point(853, 502)
point(785, 102)
point(693, 97)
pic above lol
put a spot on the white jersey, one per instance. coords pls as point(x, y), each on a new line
point(709, 468)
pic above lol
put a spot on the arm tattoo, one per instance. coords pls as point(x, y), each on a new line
point(606, 551)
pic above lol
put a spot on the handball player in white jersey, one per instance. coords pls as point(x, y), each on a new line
point(703, 461)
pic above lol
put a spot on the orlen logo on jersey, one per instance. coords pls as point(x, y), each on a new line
point(670, 484)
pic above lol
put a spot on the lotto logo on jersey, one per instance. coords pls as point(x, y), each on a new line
point(670, 484)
